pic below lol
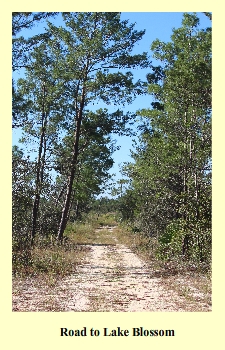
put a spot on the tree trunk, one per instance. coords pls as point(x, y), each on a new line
point(79, 115)
point(40, 170)
point(66, 207)
point(65, 211)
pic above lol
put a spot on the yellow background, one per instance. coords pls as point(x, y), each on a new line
point(42, 330)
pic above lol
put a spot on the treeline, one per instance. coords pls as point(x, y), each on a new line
point(67, 144)
point(68, 70)
point(169, 197)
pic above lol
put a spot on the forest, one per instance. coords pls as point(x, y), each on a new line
point(60, 167)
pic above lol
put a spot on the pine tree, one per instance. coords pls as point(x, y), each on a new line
point(173, 164)
point(91, 45)
point(68, 73)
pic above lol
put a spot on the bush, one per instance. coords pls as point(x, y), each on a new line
point(191, 243)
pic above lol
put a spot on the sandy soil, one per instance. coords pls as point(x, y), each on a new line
point(113, 279)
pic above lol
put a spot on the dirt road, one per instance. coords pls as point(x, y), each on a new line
point(112, 279)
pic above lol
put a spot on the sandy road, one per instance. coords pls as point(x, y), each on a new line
point(112, 279)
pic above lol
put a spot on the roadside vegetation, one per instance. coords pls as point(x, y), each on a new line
point(190, 280)
point(50, 263)
point(49, 258)
point(161, 207)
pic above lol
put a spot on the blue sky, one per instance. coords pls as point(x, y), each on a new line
point(157, 25)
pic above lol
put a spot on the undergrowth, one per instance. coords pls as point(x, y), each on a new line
point(49, 258)
point(48, 261)
point(149, 249)
point(187, 279)
point(55, 260)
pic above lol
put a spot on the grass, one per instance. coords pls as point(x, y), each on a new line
point(97, 220)
point(47, 263)
point(93, 230)
point(52, 261)
point(192, 283)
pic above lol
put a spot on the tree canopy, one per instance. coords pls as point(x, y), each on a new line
point(171, 176)
point(88, 60)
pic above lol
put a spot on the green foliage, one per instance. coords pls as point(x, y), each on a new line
point(177, 237)
point(21, 47)
point(48, 259)
point(22, 193)
point(104, 205)
point(171, 174)
point(107, 219)
point(69, 71)
point(171, 241)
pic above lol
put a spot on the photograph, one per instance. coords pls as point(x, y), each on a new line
point(112, 165)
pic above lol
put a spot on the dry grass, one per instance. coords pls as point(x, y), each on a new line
point(48, 261)
point(184, 279)
point(95, 230)
point(194, 287)
point(51, 263)
point(51, 259)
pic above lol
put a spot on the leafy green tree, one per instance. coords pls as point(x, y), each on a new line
point(42, 113)
point(85, 51)
point(22, 47)
point(188, 71)
point(21, 55)
point(94, 161)
point(68, 72)
point(172, 167)
point(22, 193)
